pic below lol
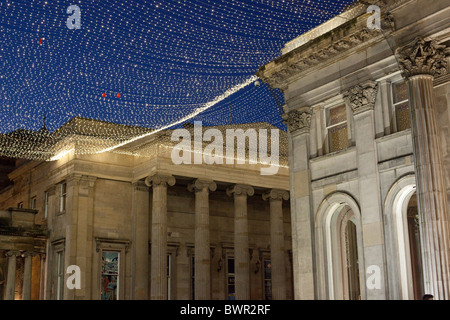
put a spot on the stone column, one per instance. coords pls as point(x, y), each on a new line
point(11, 279)
point(420, 62)
point(26, 294)
point(158, 271)
point(241, 246)
point(202, 240)
point(140, 211)
point(299, 126)
point(361, 98)
point(277, 253)
point(80, 232)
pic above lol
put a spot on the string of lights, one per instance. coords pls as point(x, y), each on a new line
point(145, 64)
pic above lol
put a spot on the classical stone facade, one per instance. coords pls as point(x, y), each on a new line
point(368, 115)
point(139, 226)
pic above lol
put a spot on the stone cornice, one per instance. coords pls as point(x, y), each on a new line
point(298, 121)
point(361, 97)
point(423, 57)
point(320, 51)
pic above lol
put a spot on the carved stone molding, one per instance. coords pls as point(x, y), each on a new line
point(275, 194)
point(422, 57)
point(160, 179)
point(322, 50)
point(202, 184)
point(298, 120)
point(240, 189)
point(362, 96)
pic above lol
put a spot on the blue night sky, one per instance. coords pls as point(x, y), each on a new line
point(165, 58)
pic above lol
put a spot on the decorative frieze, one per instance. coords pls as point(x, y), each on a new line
point(422, 57)
point(362, 97)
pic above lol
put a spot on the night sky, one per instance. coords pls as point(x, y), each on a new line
point(145, 63)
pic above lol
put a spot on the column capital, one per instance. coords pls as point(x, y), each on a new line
point(276, 194)
point(160, 179)
point(240, 189)
point(362, 96)
point(202, 184)
point(12, 253)
point(298, 121)
point(423, 57)
point(28, 254)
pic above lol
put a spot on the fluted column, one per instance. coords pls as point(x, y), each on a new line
point(277, 252)
point(202, 239)
point(11, 279)
point(241, 246)
point(420, 62)
point(26, 293)
point(158, 272)
point(299, 126)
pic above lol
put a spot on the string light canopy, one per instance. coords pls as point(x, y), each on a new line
point(144, 65)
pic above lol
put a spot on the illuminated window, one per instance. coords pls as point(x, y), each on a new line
point(402, 120)
point(337, 128)
point(110, 275)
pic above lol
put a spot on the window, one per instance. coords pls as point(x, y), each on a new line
point(267, 279)
point(193, 277)
point(169, 277)
point(110, 275)
point(59, 275)
point(46, 205)
point(230, 279)
point(337, 128)
point(33, 203)
point(20, 205)
point(63, 191)
point(402, 120)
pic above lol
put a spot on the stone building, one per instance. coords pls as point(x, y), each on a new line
point(139, 226)
point(367, 107)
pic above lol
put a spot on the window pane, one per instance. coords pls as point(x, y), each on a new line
point(338, 138)
point(402, 116)
point(230, 265)
point(400, 92)
point(337, 115)
point(110, 275)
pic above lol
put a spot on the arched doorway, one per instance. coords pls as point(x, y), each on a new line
point(403, 241)
point(339, 241)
